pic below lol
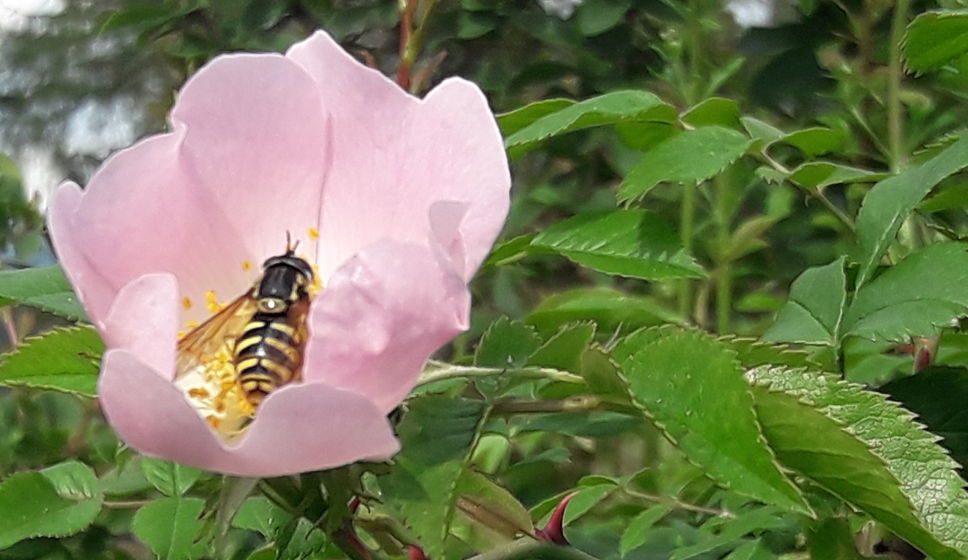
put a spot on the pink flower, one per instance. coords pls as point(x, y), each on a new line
point(394, 200)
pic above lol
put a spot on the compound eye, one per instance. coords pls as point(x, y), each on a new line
point(271, 305)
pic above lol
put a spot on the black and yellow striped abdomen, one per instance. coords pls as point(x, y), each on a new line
point(267, 355)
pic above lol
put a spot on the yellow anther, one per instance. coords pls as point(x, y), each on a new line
point(198, 393)
point(213, 421)
point(313, 233)
point(246, 265)
point(186, 303)
point(181, 334)
point(191, 324)
point(211, 302)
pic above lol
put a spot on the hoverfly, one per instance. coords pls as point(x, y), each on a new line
point(264, 329)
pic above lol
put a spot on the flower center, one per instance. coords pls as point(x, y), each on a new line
point(207, 370)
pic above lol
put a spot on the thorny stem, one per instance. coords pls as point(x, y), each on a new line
point(895, 121)
point(407, 9)
point(438, 371)
point(411, 39)
point(125, 504)
point(578, 403)
point(679, 504)
point(529, 549)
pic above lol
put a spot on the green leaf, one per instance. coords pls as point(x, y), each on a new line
point(608, 308)
point(610, 108)
point(756, 550)
point(890, 202)
point(424, 497)
point(637, 531)
point(511, 251)
point(821, 174)
point(832, 539)
point(693, 387)
point(58, 501)
point(171, 479)
point(763, 133)
point(261, 515)
point(925, 290)
point(506, 344)
point(61, 360)
point(595, 17)
point(488, 514)
point(170, 527)
point(603, 376)
point(815, 310)
point(729, 531)
point(715, 111)
point(815, 141)
point(438, 428)
point(867, 451)
point(633, 242)
point(515, 120)
point(44, 288)
point(938, 397)
point(565, 348)
point(935, 38)
point(589, 496)
point(693, 155)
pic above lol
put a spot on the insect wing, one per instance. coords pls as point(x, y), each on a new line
point(298, 312)
point(212, 335)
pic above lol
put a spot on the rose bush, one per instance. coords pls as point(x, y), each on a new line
point(395, 200)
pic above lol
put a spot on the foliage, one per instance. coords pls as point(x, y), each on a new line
point(735, 268)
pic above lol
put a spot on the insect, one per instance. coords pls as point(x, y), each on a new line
point(264, 329)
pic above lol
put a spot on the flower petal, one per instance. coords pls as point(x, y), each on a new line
point(380, 318)
point(300, 428)
point(94, 290)
point(394, 156)
point(257, 141)
point(141, 214)
point(144, 321)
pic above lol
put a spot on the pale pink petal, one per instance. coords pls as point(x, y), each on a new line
point(393, 156)
point(381, 316)
point(314, 426)
point(94, 290)
point(257, 140)
point(300, 428)
point(144, 321)
point(141, 214)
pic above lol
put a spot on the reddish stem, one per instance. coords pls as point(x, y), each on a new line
point(406, 28)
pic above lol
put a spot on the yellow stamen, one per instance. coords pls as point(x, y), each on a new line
point(246, 265)
point(211, 302)
point(191, 324)
point(313, 233)
point(181, 334)
point(186, 303)
point(213, 421)
point(198, 393)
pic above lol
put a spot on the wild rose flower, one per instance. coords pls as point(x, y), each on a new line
point(394, 200)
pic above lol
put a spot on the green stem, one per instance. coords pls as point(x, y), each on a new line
point(687, 220)
point(724, 280)
point(895, 117)
point(233, 494)
point(679, 504)
point(577, 403)
point(694, 53)
point(437, 371)
point(528, 549)
point(842, 217)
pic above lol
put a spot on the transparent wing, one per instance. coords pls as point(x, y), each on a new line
point(212, 335)
point(297, 318)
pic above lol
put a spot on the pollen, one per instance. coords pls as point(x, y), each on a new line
point(213, 421)
point(187, 303)
point(191, 324)
point(198, 393)
point(181, 334)
point(211, 302)
point(246, 265)
point(317, 285)
point(313, 233)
